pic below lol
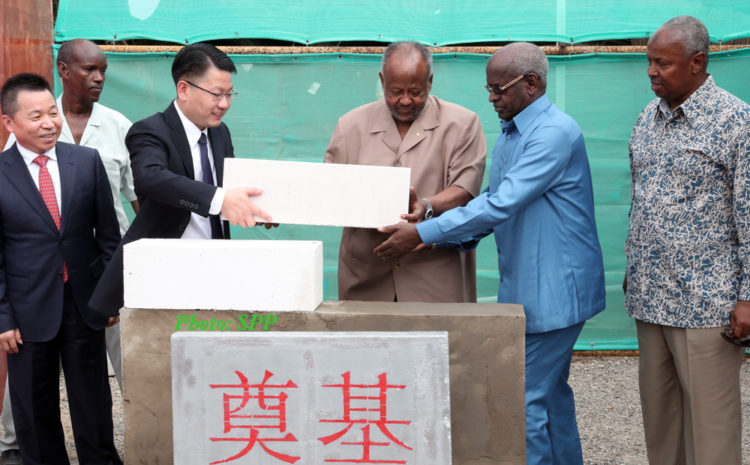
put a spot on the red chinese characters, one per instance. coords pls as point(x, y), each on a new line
point(259, 409)
point(367, 405)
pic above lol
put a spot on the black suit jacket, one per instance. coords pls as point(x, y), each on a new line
point(32, 250)
point(167, 191)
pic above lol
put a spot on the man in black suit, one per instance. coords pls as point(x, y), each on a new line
point(177, 157)
point(58, 230)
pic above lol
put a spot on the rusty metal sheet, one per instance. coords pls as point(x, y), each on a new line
point(26, 34)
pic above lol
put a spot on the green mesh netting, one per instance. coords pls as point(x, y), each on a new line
point(434, 22)
point(288, 107)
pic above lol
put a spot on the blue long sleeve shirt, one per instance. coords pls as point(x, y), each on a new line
point(540, 206)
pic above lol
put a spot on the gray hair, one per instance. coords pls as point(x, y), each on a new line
point(694, 32)
point(526, 58)
point(407, 46)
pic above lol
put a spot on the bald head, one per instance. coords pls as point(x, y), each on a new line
point(521, 58)
point(81, 65)
point(407, 53)
point(516, 77)
point(73, 49)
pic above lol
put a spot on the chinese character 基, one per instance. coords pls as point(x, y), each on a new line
point(365, 404)
point(266, 412)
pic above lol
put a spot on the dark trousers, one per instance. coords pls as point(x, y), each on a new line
point(34, 377)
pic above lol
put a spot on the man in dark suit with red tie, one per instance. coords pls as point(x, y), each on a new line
point(58, 230)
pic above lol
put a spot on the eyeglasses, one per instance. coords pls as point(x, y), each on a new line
point(216, 97)
point(497, 89)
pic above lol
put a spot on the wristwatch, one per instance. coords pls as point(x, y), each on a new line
point(428, 212)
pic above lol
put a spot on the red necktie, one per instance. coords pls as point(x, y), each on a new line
point(47, 189)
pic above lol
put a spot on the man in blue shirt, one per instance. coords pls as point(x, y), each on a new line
point(540, 206)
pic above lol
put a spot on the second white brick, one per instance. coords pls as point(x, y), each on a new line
point(223, 275)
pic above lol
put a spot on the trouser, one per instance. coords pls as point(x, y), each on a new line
point(112, 340)
point(690, 395)
point(551, 428)
point(34, 377)
point(8, 440)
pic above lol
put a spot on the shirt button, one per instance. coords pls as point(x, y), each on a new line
point(398, 163)
point(418, 134)
point(396, 266)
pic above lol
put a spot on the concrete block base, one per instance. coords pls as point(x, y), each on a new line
point(486, 343)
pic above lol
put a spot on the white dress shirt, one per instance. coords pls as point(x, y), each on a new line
point(199, 227)
point(54, 171)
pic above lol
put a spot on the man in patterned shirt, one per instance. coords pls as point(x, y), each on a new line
point(688, 252)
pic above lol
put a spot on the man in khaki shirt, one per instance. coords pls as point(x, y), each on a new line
point(444, 145)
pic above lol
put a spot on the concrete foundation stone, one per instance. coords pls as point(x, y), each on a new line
point(269, 398)
point(486, 344)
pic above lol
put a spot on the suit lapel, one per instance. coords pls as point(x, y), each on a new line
point(66, 164)
point(218, 150)
point(179, 139)
point(18, 175)
point(383, 123)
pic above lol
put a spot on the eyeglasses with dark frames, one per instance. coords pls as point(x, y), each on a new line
point(216, 97)
point(497, 89)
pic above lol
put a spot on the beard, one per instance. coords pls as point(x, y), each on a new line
point(406, 114)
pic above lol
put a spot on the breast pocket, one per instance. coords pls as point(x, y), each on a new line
point(699, 170)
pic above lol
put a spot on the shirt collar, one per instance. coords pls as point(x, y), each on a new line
point(524, 119)
point(95, 119)
point(29, 156)
point(693, 107)
point(192, 131)
point(507, 126)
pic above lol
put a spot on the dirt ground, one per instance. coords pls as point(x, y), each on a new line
point(607, 402)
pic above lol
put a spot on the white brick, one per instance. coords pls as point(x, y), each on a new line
point(324, 194)
point(401, 377)
point(223, 275)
